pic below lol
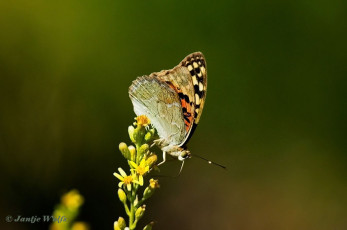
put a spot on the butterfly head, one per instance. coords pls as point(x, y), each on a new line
point(181, 153)
point(184, 154)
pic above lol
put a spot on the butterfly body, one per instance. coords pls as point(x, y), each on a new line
point(173, 100)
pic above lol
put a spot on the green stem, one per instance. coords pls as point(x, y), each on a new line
point(140, 202)
point(131, 217)
point(126, 209)
point(137, 155)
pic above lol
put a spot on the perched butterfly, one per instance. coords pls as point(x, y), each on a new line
point(173, 100)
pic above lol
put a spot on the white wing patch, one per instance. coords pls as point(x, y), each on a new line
point(161, 104)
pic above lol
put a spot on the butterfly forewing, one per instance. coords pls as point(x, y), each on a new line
point(189, 80)
point(187, 83)
point(196, 65)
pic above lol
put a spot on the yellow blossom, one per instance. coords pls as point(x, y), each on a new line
point(140, 169)
point(125, 179)
point(143, 120)
point(153, 184)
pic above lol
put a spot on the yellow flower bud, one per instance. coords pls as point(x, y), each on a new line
point(115, 226)
point(140, 211)
point(131, 130)
point(148, 137)
point(122, 196)
point(148, 193)
point(132, 151)
point(120, 224)
point(151, 160)
point(153, 131)
point(124, 150)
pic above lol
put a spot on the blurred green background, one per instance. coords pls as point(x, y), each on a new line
point(275, 113)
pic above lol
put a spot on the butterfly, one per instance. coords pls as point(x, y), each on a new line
point(173, 100)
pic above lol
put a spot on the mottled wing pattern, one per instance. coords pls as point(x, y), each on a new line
point(189, 80)
point(161, 103)
point(196, 65)
point(179, 80)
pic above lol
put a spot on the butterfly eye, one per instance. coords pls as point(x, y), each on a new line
point(184, 155)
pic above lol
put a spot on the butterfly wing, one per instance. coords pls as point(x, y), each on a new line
point(178, 79)
point(196, 65)
point(161, 104)
point(189, 80)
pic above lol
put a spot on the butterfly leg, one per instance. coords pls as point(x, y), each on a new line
point(158, 142)
point(154, 143)
point(179, 173)
point(164, 159)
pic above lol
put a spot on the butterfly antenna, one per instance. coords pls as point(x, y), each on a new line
point(210, 162)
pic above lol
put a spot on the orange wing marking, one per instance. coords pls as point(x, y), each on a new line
point(186, 106)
